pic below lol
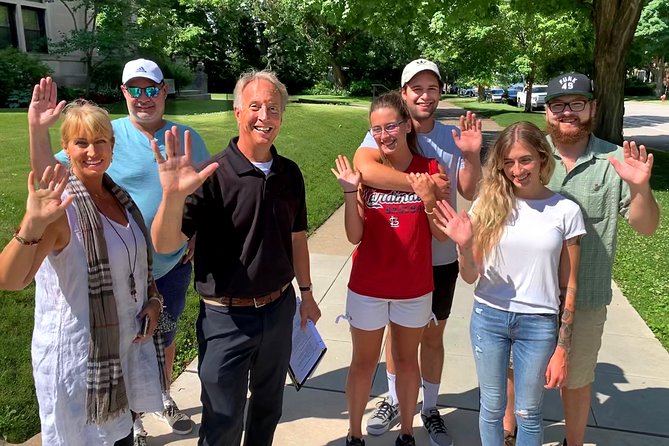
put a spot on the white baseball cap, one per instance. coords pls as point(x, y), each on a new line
point(416, 66)
point(142, 68)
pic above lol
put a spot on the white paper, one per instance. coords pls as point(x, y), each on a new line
point(308, 349)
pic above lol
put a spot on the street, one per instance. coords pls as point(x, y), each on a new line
point(647, 123)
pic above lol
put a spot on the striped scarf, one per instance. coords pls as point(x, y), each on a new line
point(106, 392)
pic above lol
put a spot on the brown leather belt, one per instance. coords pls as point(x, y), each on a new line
point(257, 302)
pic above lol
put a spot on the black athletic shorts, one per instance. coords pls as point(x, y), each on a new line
point(445, 277)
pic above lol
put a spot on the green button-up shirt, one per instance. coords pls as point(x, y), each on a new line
point(594, 184)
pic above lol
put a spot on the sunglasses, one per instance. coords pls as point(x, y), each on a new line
point(150, 92)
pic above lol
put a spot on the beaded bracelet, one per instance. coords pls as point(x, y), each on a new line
point(23, 241)
point(429, 213)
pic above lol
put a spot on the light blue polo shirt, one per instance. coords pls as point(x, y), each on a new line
point(438, 144)
point(134, 168)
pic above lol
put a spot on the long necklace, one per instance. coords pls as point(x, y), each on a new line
point(133, 263)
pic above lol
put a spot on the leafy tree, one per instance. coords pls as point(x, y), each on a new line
point(651, 39)
point(102, 30)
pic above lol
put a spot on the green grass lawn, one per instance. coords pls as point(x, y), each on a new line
point(312, 135)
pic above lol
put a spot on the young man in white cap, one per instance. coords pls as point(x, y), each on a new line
point(458, 153)
point(134, 168)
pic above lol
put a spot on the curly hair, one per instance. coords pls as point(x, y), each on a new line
point(394, 101)
point(496, 197)
point(82, 115)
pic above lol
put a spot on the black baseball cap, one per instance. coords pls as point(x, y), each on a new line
point(568, 84)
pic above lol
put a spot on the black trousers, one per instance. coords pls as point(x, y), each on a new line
point(241, 349)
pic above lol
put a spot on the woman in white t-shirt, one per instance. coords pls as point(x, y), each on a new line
point(522, 244)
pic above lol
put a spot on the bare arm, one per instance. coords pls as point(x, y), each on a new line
point(644, 214)
point(43, 113)
point(44, 228)
point(349, 180)
point(178, 179)
point(423, 185)
point(556, 372)
point(368, 162)
point(309, 308)
point(469, 142)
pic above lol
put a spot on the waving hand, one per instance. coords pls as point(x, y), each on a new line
point(178, 177)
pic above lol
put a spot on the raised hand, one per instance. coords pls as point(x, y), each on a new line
point(423, 185)
point(456, 226)
point(637, 164)
point(348, 179)
point(470, 139)
point(43, 111)
point(178, 177)
point(45, 205)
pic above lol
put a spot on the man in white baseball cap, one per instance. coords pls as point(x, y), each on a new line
point(134, 168)
point(458, 152)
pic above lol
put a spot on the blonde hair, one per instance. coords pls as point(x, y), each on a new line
point(85, 116)
point(253, 75)
point(496, 197)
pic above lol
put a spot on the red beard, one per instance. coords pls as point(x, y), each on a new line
point(583, 131)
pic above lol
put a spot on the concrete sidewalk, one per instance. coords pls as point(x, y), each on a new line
point(631, 394)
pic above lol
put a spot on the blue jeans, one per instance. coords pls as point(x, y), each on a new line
point(173, 286)
point(532, 338)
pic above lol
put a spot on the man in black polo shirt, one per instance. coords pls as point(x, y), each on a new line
point(247, 205)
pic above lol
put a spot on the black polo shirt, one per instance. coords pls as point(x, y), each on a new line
point(244, 222)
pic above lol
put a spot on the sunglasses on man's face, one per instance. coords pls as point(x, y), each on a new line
point(150, 92)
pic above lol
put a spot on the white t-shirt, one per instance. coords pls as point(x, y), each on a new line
point(521, 273)
point(438, 144)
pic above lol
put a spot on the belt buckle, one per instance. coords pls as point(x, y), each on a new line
point(257, 305)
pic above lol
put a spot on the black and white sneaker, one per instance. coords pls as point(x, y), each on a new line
point(436, 428)
point(179, 422)
point(384, 417)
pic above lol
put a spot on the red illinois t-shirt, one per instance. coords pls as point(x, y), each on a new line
point(394, 257)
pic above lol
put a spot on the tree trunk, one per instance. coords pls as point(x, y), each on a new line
point(337, 75)
point(615, 23)
point(659, 84)
point(528, 94)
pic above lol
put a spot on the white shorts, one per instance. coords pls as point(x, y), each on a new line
point(371, 313)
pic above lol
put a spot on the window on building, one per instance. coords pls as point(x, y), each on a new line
point(34, 30)
point(7, 27)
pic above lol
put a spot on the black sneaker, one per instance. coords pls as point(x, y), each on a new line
point(405, 440)
point(384, 417)
point(352, 441)
point(436, 428)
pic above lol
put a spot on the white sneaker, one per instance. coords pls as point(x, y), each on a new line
point(179, 422)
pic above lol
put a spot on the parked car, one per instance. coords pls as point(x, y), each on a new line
point(495, 95)
point(538, 97)
point(467, 91)
point(512, 95)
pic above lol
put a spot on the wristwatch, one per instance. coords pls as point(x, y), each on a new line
point(304, 289)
